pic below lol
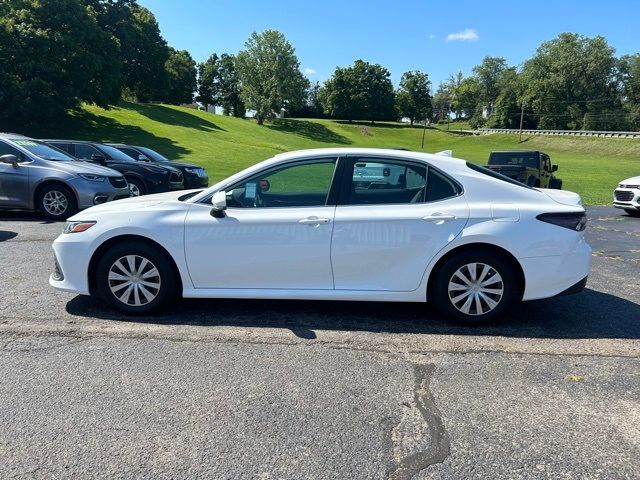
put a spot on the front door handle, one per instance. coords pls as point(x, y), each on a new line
point(314, 221)
point(439, 218)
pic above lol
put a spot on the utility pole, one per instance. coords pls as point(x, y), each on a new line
point(521, 120)
point(424, 130)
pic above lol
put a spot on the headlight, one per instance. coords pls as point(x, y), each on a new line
point(77, 227)
point(92, 178)
point(153, 169)
point(192, 170)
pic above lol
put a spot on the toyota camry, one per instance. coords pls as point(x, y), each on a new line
point(335, 224)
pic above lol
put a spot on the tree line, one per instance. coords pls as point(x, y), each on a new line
point(58, 54)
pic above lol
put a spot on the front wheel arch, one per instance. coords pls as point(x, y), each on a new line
point(485, 247)
point(104, 247)
point(44, 184)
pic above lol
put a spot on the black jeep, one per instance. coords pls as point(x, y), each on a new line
point(532, 168)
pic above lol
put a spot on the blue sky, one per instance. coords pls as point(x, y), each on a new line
point(439, 38)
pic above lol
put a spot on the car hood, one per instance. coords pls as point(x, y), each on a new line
point(181, 165)
point(133, 203)
point(77, 167)
point(562, 196)
point(631, 181)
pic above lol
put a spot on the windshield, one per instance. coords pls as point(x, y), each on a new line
point(116, 154)
point(153, 155)
point(43, 150)
point(525, 159)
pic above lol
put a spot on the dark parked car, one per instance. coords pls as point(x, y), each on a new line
point(194, 175)
point(36, 176)
point(532, 168)
point(143, 178)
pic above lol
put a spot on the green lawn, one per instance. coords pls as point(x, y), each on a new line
point(224, 145)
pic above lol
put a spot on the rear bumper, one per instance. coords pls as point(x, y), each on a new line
point(554, 275)
point(577, 288)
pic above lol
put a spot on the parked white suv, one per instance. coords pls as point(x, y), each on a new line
point(627, 196)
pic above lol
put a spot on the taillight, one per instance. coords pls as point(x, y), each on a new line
point(572, 220)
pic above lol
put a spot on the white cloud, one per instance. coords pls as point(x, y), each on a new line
point(466, 35)
point(309, 71)
point(432, 36)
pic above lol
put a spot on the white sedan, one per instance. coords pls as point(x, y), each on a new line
point(335, 224)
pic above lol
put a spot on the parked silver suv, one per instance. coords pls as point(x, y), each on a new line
point(36, 176)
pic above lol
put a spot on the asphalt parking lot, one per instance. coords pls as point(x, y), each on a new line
point(262, 389)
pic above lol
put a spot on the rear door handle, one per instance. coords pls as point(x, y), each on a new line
point(314, 221)
point(439, 218)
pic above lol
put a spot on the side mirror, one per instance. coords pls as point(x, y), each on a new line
point(554, 168)
point(10, 159)
point(98, 159)
point(219, 203)
point(143, 158)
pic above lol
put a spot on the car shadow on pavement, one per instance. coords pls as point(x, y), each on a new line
point(590, 314)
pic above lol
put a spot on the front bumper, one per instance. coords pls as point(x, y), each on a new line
point(71, 259)
point(94, 193)
point(195, 181)
point(627, 198)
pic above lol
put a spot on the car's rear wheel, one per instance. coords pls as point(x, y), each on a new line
point(475, 287)
point(136, 278)
point(136, 187)
point(56, 202)
point(632, 212)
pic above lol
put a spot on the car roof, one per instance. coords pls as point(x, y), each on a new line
point(435, 159)
point(517, 151)
point(10, 136)
point(88, 142)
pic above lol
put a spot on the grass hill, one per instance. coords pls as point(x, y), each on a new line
point(224, 145)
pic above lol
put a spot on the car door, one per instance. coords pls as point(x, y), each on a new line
point(275, 234)
point(389, 226)
point(14, 180)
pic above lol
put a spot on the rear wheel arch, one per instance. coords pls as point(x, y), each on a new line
point(139, 239)
point(481, 247)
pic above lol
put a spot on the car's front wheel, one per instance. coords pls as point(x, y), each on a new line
point(475, 287)
point(136, 278)
point(56, 202)
point(136, 187)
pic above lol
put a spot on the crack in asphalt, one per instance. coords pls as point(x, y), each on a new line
point(440, 447)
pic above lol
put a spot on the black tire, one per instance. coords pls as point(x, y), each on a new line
point(166, 277)
point(555, 183)
point(444, 298)
point(56, 202)
point(136, 185)
point(632, 212)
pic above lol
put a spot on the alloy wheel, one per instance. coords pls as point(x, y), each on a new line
point(55, 202)
point(475, 289)
point(134, 190)
point(134, 280)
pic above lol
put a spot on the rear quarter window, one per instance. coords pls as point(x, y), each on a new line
point(496, 175)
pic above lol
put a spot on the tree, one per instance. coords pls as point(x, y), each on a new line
point(269, 73)
point(467, 97)
point(143, 52)
point(208, 82)
point(571, 83)
point(229, 87)
point(413, 97)
point(453, 85)
point(54, 56)
point(442, 101)
point(362, 91)
point(181, 71)
point(629, 77)
point(488, 74)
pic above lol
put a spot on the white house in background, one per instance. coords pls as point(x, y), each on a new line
point(487, 110)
